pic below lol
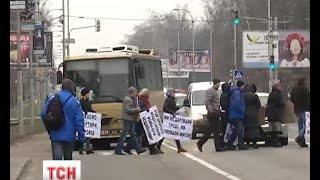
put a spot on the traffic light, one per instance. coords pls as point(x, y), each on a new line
point(97, 25)
point(272, 65)
point(236, 19)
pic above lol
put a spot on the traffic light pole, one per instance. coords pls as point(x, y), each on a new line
point(270, 48)
point(235, 44)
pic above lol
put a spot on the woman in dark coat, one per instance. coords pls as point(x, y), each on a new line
point(145, 105)
point(170, 107)
point(275, 109)
point(251, 125)
point(86, 107)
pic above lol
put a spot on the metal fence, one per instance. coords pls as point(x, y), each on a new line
point(27, 125)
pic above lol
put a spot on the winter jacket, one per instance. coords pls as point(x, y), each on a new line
point(74, 119)
point(252, 103)
point(212, 101)
point(225, 97)
point(275, 106)
point(86, 106)
point(143, 106)
point(131, 111)
point(237, 109)
point(300, 97)
point(169, 105)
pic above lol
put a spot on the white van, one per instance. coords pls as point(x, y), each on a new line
point(196, 95)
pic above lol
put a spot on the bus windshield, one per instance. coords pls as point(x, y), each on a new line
point(108, 79)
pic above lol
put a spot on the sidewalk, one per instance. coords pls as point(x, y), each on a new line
point(28, 155)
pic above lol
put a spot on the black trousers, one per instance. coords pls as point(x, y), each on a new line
point(215, 128)
point(177, 143)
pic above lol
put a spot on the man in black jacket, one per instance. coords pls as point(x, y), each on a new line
point(300, 97)
point(170, 107)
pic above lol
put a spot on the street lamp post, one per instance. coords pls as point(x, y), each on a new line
point(193, 55)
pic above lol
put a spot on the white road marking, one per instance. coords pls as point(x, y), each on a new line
point(295, 141)
point(206, 164)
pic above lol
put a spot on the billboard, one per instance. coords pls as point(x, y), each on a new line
point(255, 49)
point(24, 48)
point(44, 60)
point(294, 49)
point(184, 59)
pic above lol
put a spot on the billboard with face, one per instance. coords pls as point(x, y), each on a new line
point(294, 49)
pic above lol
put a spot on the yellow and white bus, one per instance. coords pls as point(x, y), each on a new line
point(109, 72)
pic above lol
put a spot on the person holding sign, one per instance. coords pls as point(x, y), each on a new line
point(130, 115)
point(145, 105)
point(170, 107)
point(86, 107)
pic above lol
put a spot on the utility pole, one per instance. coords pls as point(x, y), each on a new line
point(211, 46)
point(68, 29)
point(167, 57)
point(31, 77)
point(193, 70)
point(19, 86)
point(275, 29)
point(178, 56)
point(270, 48)
point(235, 43)
point(63, 33)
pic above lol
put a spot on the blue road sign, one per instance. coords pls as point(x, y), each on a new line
point(238, 74)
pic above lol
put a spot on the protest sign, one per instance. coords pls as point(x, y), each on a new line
point(178, 127)
point(229, 130)
point(155, 114)
point(151, 127)
point(92, 125)
point(308, 124)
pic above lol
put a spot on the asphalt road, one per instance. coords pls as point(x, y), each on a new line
point(266, 163)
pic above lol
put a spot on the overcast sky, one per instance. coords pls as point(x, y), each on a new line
point(112, 32)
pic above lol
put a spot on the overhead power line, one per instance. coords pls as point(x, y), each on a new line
point(137, 19)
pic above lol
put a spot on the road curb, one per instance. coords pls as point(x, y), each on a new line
point(20, 170)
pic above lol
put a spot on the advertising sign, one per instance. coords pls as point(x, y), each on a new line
point(255, 49)
point(38, 40)
point(17, 5)
point(24, 48)
point(184, 59)
point(45, 60)
point(294, 49)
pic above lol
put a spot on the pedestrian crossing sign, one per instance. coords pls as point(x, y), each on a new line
point(238, 74)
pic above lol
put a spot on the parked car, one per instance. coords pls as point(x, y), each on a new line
point(265, 128)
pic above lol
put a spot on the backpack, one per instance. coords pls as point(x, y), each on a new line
point(54, 118)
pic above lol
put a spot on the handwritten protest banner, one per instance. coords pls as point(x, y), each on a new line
point(151, 127)
point(178, 127)
point(92, 125)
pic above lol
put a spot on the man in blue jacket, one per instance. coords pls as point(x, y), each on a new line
point(63, 139)
point(236, 116)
